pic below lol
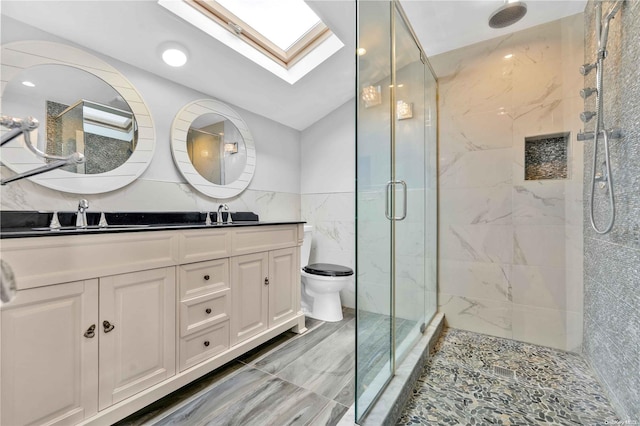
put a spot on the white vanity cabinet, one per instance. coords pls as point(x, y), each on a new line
point(49, 372)
point(284, 285)
point(105, 324)
point(205, 307)
point(265, 291)
point(69, 350)
point(250, 295)
point(136, 333)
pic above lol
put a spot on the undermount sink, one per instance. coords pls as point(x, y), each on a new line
point(91, 227)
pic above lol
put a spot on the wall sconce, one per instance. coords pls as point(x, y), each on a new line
point(372, 96)
point(231, 147)
point(404, 110)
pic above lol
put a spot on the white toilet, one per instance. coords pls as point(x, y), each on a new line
point(321, 284)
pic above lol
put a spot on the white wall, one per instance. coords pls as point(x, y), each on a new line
point(327, 182)
point(274, 192)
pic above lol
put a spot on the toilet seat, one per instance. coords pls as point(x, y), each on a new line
point(328, 270)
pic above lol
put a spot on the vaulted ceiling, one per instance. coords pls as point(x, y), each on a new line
point(132, 32)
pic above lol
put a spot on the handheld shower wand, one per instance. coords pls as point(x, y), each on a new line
point(603, 177)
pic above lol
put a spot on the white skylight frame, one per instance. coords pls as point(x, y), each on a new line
point(273, 20)
point(298, 68)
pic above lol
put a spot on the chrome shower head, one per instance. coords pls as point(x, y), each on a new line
point(508, 14)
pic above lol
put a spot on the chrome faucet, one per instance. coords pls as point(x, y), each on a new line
point(81, 216)
point(219, 220)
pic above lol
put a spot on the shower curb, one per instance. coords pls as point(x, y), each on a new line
point(389, 405)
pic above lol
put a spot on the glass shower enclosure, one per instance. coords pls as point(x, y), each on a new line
point(396, 196)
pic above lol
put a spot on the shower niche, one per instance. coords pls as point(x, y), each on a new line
point(545, 157)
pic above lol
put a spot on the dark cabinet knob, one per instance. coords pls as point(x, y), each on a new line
point(208, 310)
point(206, 277)
point(107, 326)
point(90, 333)
point(206, 343)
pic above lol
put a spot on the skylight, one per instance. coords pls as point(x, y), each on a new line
point(283, 36)
point(283, 21)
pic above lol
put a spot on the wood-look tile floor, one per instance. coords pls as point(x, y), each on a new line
point(293, 379)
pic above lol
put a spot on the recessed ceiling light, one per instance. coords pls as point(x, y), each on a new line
point(28, 84)
point(509, 56)
point(174, 56)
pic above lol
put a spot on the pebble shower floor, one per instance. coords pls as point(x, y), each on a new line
point(475, 379)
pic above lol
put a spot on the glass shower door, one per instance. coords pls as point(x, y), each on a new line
point(409, 185)
point(396, 211)
point(373, 229)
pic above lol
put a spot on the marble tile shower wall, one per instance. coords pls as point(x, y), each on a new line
point(510, 248)
point(612, 261)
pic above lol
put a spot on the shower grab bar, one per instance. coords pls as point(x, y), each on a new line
point(587, 136)
point(25, 127)
point(404, 204)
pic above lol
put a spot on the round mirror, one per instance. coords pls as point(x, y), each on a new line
point(83, 105)
point(77, 112)
point(216, 149)
point(213, 148)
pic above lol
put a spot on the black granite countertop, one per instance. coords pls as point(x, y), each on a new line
point(21, 224)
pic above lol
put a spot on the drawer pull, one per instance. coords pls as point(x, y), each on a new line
point(206, 277)
point(206, 343)
point(107, 326)
point(90, 333)
point(266, 281)
point(208, 310)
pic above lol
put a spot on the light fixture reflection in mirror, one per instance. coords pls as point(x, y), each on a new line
point(213, 150)
point(372, 96)
point(78, 111)
point(404, 110)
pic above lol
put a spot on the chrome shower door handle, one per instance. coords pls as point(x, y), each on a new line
point(386, 200)
point(390, 184)
point(404, 201)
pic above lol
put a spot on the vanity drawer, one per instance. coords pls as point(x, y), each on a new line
point(204, 244)
point(202, 346)
point(201, 278)
point(263, 238)
point(204, 311)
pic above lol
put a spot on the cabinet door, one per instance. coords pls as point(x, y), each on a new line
point(284, 284)
point(49, 368)
point(249, 296)
point(137, 332)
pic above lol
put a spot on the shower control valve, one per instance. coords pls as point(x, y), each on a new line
point(587, 91)
point(586, 68)
point(586, 116)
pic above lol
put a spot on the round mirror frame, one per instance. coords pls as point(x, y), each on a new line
point(179, 129)
point(18, 56)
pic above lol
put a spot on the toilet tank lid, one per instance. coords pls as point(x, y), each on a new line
point(328, 270)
